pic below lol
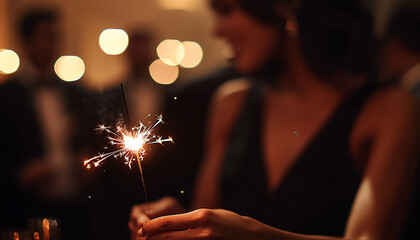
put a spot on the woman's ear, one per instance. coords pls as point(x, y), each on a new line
point(291, 27)
point(286, 13)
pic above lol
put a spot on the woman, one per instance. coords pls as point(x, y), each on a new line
point(317, 155)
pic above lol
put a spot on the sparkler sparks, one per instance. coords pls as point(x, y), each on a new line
point(130, 144)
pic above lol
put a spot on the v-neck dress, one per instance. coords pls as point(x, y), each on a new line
point(316, 195)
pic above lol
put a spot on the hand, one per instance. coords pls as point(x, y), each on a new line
point(202, 224)
point(139, 213)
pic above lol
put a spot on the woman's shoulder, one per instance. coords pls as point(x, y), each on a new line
point(230, 95)
point(391, 102)
point(233, 89)
point(389, 112)
point(227, 102)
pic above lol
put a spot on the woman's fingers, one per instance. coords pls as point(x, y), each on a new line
point(165, 206)
point(140, 213)
point(135, 224)
point(176, 222)
point(138, 217)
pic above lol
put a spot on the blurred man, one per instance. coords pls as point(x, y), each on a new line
point(145, 96)
point(42, 108)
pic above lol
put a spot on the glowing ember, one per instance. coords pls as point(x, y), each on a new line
point(134, 143)
point(131, 145)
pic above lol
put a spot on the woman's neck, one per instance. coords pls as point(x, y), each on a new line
point(297, 76)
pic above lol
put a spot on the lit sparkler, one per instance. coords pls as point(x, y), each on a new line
point(131, 144)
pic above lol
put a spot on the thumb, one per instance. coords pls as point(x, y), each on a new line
point(142, 220)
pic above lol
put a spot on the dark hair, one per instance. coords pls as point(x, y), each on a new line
point(31, 19)
point(405, 24)
point(335, 35)
point(262, 10)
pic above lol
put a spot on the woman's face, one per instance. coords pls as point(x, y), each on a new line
point(252, 42)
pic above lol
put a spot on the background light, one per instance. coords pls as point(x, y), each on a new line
point(171, 51)
point(163, 73)
point(9, 61)
point(188, 5)
point(193, 54)
point(69, 68)
point(113, 41)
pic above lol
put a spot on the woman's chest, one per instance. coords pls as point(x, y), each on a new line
point(287, 131)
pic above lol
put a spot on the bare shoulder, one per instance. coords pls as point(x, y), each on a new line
point(391, 103)
point(231, 90)
point(389, 111)
point(230, 95)
point(227, 102)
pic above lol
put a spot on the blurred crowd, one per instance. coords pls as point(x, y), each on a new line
point(49, 125)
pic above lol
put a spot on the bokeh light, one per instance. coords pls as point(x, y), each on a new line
point(193, 54)
point(188, 5)
point(163, 73)
point(9, 61)
point(113, 41)
point(171, 51)
point(69, 68)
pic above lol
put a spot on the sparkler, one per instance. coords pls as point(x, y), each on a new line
point(131, 145)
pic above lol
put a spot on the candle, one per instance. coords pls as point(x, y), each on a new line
point(46, 229)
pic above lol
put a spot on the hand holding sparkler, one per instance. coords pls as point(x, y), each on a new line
point(208, 224)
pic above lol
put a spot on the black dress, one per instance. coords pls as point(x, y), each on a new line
point(316, 195)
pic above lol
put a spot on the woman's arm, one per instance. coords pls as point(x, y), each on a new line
point(391, 121)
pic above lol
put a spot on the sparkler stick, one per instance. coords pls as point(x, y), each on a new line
point(144, 185)
point(137, 153)
point(125, 104)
